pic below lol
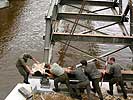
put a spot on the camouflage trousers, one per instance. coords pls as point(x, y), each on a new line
point(24, 73)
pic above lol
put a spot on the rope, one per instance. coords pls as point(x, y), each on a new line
point(130, 2)
point(130, 5)
point(63, 50)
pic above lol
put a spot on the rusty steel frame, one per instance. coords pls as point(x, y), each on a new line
point(55, 13)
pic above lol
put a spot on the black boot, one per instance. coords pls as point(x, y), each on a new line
point(26, 81)
point(26, 78)
point(79, 97)
point(93, 90)
point(56, 90)
point(109, 92)
point(125, 96)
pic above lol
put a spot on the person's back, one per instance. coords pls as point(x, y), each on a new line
point(22, 60)
point(92, 71)
point(79, 75)
point(116, 77)
point(83, 82)
point(93, 74)
point(115, 70)
point(56, 69)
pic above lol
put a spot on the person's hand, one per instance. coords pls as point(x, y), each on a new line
point(31, 72)
point(37, 62)
point(104, 72)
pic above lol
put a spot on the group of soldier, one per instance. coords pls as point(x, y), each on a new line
point(84, 74)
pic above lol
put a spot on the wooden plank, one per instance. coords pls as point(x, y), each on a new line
point(126, 74)
point(15, 94)
point(25, 93)
point(122, 71)
point(128, 86)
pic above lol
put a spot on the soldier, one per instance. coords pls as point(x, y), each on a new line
point(23, 68)
point(59, 76)
point(93, 74)
point(83, 83)
point(116, 77)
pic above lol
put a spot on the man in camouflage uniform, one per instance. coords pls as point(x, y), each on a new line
point(23, 68)
point(93, 74)
point(83, 83)
point(116, 77)
point(59, 75)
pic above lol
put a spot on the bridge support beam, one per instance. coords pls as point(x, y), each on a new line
point(131, 22)
point(106, 39)
point(131, 18)
point(47, 41)
point(89, 2)
point(51, 15)
point(120, 6)
point(96, 17)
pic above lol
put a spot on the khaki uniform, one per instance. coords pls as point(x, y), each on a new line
point(60, 76)
point(83, 82)
point(93, 74)
point(21, 63)
point(116, 77)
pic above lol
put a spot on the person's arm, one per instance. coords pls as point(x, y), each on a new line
point(29, 56)
point(49, 74)
point(27, 68)
point(36, 61)
point(67, 70)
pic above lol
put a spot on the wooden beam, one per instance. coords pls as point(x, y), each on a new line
point(106, 39)
point(94, 17)
point(27, 94)
point(127, 75)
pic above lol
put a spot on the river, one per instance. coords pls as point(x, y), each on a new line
point(22, 27)
point(21, 30)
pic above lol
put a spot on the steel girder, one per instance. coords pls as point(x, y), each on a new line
point(51, 15)
point(90, 3)
point(104, 39)
point(94, 17)
point(54, 13)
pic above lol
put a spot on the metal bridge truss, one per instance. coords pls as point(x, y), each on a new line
point(56, 14)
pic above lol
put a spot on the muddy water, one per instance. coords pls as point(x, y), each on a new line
point(22, 26)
